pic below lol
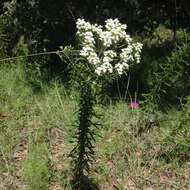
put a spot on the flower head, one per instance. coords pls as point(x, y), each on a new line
point(105, 59)
point(134, 105)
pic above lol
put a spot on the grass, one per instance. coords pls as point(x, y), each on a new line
point(35, 134)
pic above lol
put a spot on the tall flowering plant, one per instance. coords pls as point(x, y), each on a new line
point(104, 53)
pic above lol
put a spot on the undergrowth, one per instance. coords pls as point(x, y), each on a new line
point(136, 150)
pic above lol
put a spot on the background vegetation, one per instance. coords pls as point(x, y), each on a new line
point(147, 148)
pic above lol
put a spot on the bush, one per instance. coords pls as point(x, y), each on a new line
point(168, 78)
point(177, 135)
point(161, 39)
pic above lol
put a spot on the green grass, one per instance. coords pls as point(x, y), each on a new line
point(132, 152)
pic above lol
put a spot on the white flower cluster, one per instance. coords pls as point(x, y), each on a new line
point(103, 56)
point(106, 65)
point(115, 32)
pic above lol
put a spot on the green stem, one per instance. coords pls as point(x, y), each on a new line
point(84, 148)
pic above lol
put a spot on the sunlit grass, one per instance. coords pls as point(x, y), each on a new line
point(130, 153)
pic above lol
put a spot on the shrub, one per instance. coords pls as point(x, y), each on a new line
point(177, 136)
point(168, 77)
point(160, 38)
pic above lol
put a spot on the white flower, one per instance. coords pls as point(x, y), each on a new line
point(114, 24)
point(93, 58)
point(83, 25)
point(126, 54)
point(97, 46)
point(97, 29)
point(86, 50)
point(106, 38)
point(116, 29)
point(98, 71)
point(121, 67)
point(128, 39)
point(89, 38)
point(110, 53)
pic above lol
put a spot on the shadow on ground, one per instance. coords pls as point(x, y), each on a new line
point(84, 183)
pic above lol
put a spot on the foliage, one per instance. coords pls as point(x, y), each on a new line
point(160, 42)
point(168, 76)
point(36, 168)
point(132, 152)
point(163, 77)
point(52, 25)
point(10, 26)
point(2, 51)
point(33, 68)
point(83, 152)
point(176, 136)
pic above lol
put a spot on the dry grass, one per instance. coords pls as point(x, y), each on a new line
point(129, 153)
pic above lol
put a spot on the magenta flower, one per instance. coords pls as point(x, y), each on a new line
point(134, 105)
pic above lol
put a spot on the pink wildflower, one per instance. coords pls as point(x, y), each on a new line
point(134, 105)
